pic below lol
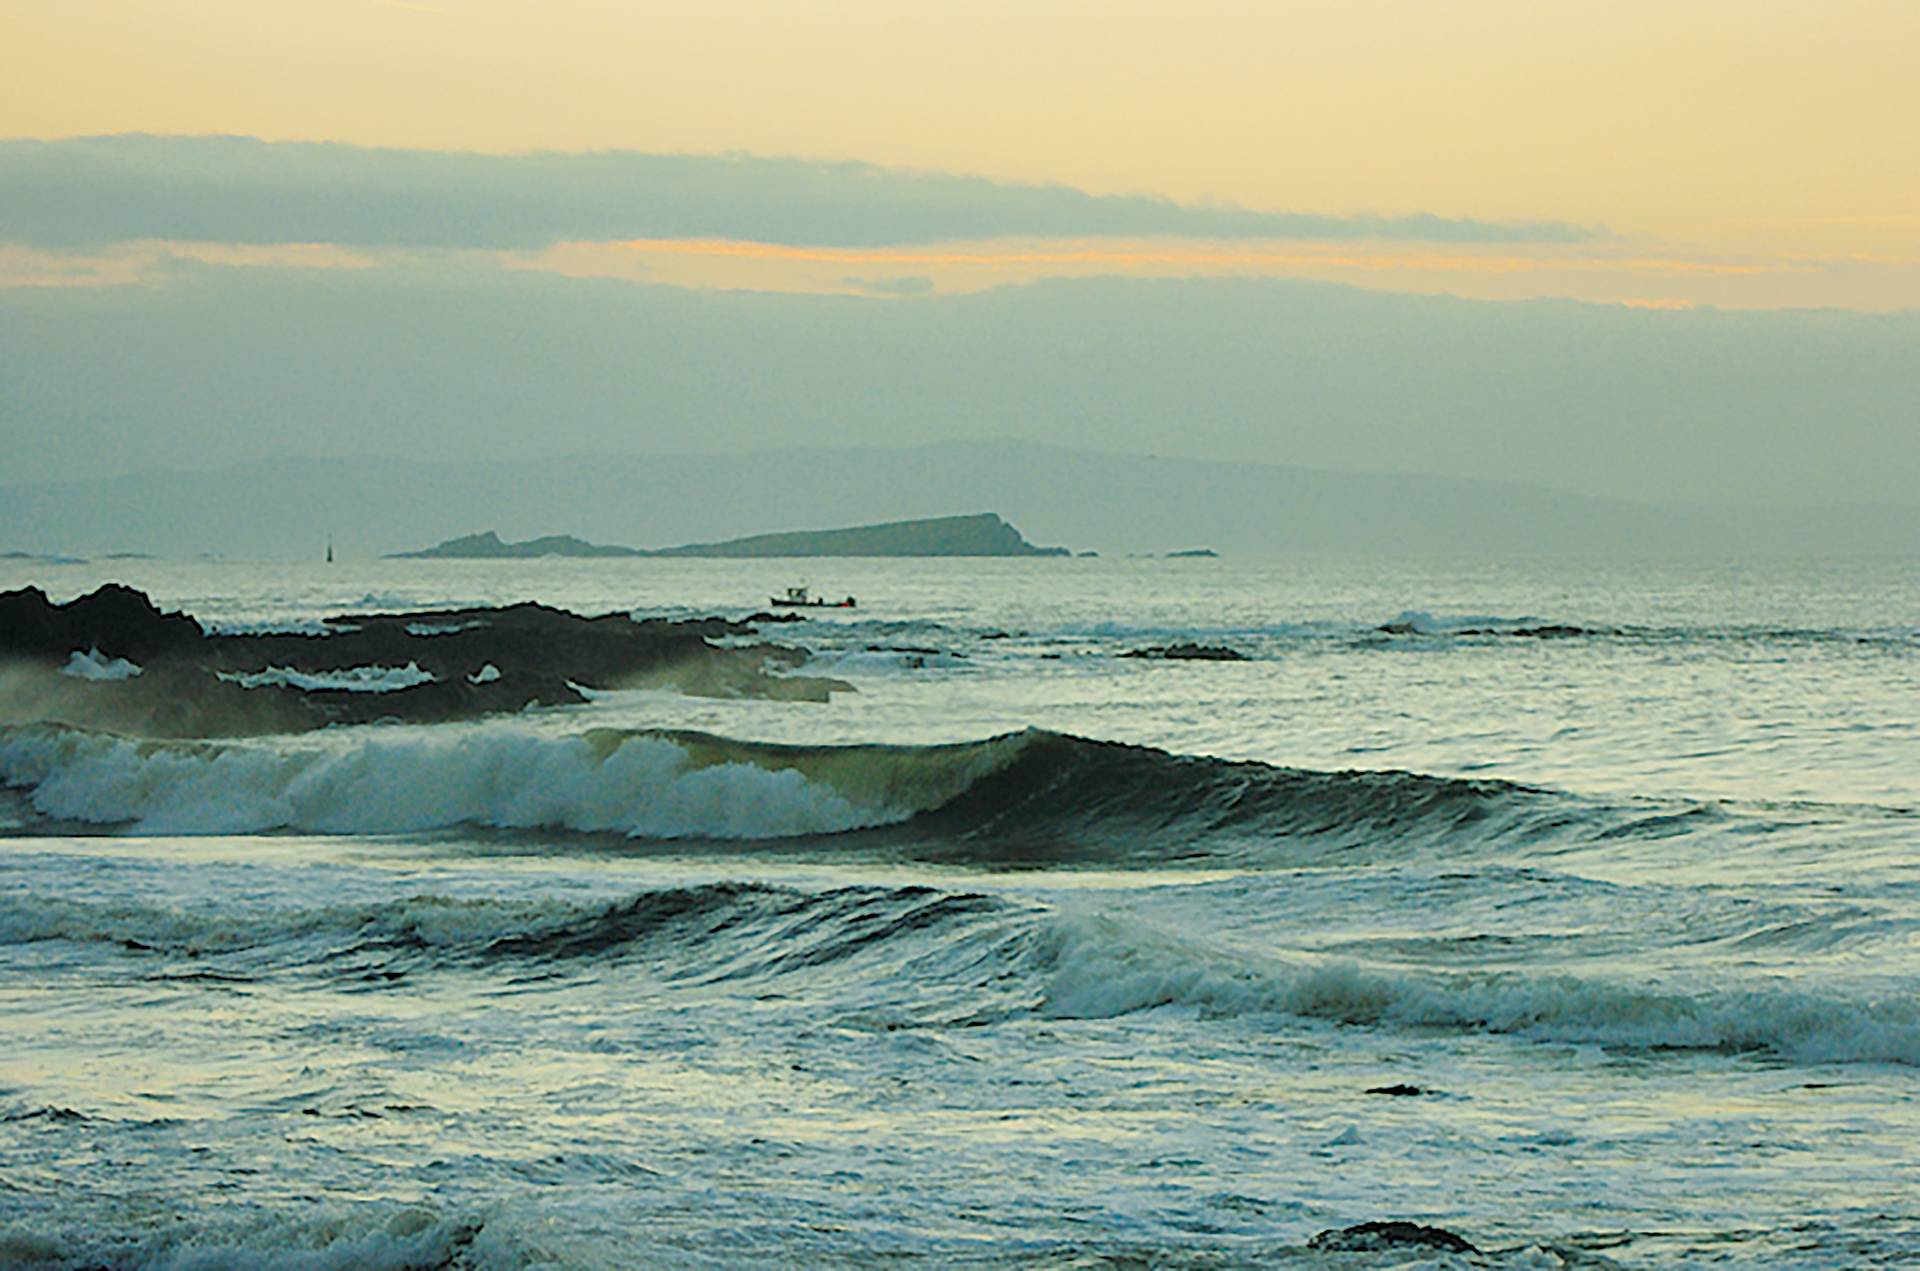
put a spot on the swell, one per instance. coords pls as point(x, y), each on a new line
point(926, 957)
point(677, 918)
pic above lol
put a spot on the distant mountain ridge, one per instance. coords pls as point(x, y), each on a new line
point(980, 534)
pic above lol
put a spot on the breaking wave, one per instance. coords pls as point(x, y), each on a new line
point(1029, 796)
point(659, 785)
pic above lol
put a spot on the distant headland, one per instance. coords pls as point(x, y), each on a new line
point(984, 534)
point(490, 546)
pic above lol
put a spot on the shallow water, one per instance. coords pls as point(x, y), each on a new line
point(1615, 864)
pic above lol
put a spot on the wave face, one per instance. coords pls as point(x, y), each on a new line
point(920, 956)
point(1031, 796)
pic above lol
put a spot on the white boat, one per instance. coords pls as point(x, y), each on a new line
point(800, 598)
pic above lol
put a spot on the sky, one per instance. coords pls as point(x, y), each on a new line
point(1750, 163)
point(1734, 152)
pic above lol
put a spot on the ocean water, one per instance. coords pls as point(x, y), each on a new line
point(1021, 952)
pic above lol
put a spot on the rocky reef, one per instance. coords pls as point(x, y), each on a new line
point(112, 659)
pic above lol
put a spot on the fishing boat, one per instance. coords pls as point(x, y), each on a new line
point(800, 598)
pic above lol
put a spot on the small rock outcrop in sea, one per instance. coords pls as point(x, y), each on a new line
point(1187, 653)
point(1546, 631)
point(1398, 1090)
point(1382, 1237)
point(425, 667)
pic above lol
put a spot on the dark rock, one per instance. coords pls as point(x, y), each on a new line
point(1556, 631)
point(118, 621)
point(1399, 1090)
point(543, 656)
point(1187, 653)
point(1381, 1237)
point(1194, 553)
point(915, 649)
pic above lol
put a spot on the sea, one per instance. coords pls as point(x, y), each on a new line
point(1570, 906)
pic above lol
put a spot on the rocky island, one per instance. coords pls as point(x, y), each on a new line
point(113, 660)
point(489, 546)
point(984, 534)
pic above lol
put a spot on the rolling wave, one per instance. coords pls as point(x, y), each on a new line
point(919, 956)
point(1032, 797)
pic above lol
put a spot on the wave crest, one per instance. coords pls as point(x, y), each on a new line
point(1021, 798)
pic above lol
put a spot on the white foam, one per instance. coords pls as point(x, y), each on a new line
point(274, 626)
point(352, 679)
point(442, 628)
point(485, 675)
point(378, 782)
point(92, 665)
point(338, 1240)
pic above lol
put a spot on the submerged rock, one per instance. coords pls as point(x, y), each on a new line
point(1187, 653)
point(1380, 1237)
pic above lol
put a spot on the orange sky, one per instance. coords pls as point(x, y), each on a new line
point(1762, 132)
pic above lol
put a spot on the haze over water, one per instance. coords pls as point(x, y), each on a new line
point(1614, 865)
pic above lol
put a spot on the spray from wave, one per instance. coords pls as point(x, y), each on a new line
point(658, 785)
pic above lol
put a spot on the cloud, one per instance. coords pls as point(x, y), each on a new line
point(87, 192)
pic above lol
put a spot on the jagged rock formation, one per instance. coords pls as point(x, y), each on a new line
point(421, 667)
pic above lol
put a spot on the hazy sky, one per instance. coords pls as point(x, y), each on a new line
point(241, 227)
